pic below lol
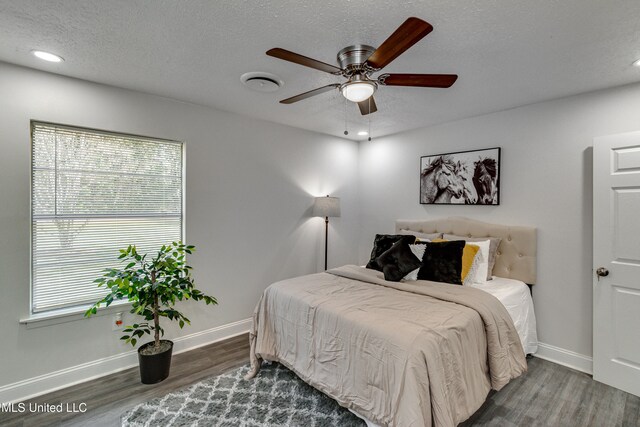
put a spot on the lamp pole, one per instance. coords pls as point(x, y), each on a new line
point(326, 207)
point(326, 240)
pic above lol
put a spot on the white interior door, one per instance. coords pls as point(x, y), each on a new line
point(616, 250)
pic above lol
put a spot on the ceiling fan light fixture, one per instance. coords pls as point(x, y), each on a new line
point(359, 90)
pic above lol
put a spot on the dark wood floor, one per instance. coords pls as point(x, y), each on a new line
point(553, 395)
point(548, 395)
point(107, 398)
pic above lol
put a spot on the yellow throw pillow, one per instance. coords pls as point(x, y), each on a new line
point(468, 256)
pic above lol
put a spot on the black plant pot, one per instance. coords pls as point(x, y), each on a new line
point(154, 367)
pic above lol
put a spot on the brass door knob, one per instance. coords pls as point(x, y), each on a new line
point(602, 272)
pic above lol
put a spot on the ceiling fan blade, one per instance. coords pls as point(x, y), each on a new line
point(303, 60)
point(367, 107)
point(408, 34)
point(420, 80)
point(309, 94)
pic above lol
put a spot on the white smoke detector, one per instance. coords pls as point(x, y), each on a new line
point(261, 82)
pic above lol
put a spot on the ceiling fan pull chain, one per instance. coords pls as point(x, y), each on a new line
point(346, 132)
point(369, 117)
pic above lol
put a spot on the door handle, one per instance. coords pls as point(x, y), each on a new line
point(602, 272)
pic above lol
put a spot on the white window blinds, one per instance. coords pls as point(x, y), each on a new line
point(92, 194)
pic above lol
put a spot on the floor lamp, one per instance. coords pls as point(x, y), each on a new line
point(326, 207)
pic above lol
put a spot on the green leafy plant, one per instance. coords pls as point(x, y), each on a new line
point(152, 286)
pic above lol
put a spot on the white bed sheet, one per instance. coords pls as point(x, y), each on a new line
point(516, 297)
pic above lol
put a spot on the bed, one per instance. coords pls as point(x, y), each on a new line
point(515, 295)
point(401, 353)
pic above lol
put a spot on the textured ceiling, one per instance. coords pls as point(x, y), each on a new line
point(506, 52)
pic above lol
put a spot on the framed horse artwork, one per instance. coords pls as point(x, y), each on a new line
point(462, 178)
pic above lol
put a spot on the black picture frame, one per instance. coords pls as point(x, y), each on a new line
point(461, 178)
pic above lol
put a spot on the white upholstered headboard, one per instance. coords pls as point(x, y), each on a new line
point(516, 256)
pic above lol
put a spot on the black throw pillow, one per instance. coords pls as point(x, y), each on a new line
point(442, 262)
point(382, 243)
point(397, 261)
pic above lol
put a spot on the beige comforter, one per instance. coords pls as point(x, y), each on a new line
point(400, 354)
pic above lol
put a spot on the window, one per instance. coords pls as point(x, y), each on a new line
point(93, 193)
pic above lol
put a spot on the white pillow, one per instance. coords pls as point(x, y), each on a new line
point(418, 251)
point(483, 263)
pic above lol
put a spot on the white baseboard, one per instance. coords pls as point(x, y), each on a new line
point(36, 386)
point(567, 358)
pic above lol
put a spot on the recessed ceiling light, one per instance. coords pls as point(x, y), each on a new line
point(363, 133)
point(636, 63)
point(47, 56)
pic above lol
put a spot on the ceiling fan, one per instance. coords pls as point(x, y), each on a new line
point(359, 62)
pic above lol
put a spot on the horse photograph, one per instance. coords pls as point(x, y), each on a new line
point(462, 178)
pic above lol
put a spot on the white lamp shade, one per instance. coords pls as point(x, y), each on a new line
point(326, 206)
point(358, 92)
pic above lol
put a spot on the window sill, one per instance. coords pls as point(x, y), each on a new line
point(55, 317)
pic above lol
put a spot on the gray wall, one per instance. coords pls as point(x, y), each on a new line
point(249, 188)
point(546, 181)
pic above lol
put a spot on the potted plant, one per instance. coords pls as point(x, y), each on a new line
point(152, 286)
